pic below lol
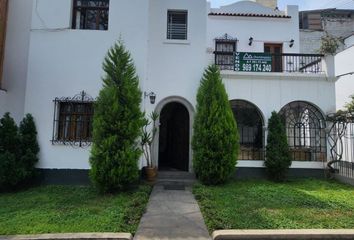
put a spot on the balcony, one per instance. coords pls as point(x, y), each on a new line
point(264, 62)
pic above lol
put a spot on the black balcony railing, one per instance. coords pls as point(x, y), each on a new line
point(286, 62)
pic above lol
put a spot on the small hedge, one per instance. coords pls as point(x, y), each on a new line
point(18, 152)
point(278, 159)
point(215, 140)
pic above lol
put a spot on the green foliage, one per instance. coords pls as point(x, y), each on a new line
point(278, 158)
point(215, 140)
point(117, 124)
point(18, 152)
point(148, 136)
point(350, 106)
point(329, 45)
point(11, 171)
point(29, 146)
point(296, 204)
point(63, 209)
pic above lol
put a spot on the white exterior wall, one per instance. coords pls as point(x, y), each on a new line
point(273, 91)
point(175, 67)
point(16, 58)
point(345, 85)
point(263, 30)
point(349, 41)
point(64, 62)
point(270, 91)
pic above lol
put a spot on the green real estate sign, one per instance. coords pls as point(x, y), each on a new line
point(253, 62)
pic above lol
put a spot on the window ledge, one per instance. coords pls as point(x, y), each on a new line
point(87, 30)
point(177, 42)
point(79, 144)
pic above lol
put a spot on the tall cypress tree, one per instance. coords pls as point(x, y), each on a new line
point(278, 159)
point(28, 146)
point(117, 123)
point(215, 140)
point(11, 171)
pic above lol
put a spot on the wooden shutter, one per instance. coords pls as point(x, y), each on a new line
point(314, 21)
point(3, 20)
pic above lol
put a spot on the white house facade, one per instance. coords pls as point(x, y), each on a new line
point(53, 70)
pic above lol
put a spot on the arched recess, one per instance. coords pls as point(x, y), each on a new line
point(306, 131)
point(159, 109)
point(250, 124)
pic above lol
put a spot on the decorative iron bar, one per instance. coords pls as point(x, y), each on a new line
point(341, 140)
point(305, 129)
point(225, 48)
point(250, 126)
point(90, 14)
point(177, 25)
point(286, 62)
point(73, 117)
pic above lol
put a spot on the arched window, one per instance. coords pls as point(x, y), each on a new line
point(250, 127)
point(305, 128)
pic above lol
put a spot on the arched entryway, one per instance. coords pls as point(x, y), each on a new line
point(306, 131)
point(174, 138)
point(250, 124)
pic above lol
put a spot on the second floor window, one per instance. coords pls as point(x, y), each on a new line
point(224, 53)
point(177, 25)
point(90, 14)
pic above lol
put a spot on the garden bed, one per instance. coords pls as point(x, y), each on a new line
point(297, 204)
point(55, 209)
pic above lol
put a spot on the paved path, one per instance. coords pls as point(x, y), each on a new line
point(172, 215)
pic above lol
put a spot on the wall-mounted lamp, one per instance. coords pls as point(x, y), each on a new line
point(250, 41)
point(152, 97)
point(292, 41)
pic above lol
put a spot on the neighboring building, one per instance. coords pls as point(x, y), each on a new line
point(53, 61)
point(315, 24)
point(345, 71)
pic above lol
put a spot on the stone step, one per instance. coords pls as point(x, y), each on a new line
point(174, 182)
point(175, 179)
point(168, 175)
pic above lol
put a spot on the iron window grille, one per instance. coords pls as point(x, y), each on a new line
point(90, 14)
point(225, 48)
point(73, 117)
point(250, 126)
point(305, 128)
point(177, 25)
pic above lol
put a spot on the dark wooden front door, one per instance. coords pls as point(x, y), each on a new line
point(276, 50)
point(174, 138)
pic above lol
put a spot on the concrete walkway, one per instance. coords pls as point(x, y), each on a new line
point(172, 214)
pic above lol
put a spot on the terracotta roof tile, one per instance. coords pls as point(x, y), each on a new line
point(248, 15)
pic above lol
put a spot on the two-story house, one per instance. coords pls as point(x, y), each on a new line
point(52, 69)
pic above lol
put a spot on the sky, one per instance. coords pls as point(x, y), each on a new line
point(303, 4)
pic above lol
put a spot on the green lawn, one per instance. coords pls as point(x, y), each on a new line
point(71, 209)
point(298, 204)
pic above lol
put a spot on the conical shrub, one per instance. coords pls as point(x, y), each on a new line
point(278, 159)
point(215, 140)
point(116, 125)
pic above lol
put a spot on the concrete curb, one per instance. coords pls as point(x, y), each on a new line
point(306, 234)
point(72, 236)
